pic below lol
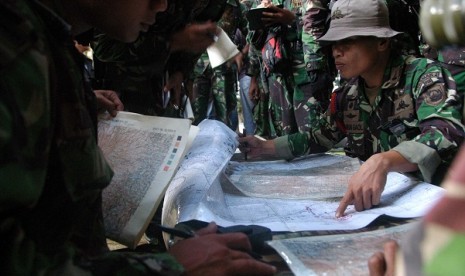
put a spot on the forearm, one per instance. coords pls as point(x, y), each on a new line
point(299, 144)
point(393, 161)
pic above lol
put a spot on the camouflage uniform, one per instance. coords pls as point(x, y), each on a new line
point(453, 58)
point(137, 70)
point(417, 112)
point(52, 172)
point(319, 62)
point(294, 92)
point(262, 117)
point(219, 83)
point(319, 65)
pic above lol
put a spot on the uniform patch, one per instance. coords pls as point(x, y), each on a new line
point(429, 78)
point(435, 95)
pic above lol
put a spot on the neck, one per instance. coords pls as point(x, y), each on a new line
point(373, 78)
point(70, 11)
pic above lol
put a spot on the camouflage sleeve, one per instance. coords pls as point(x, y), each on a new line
point(254, 59)
point(128, 263)
point(148, 46)
point(439, 112)
point(315, 17)
point(243, 23)
point(27, 163)
point(321, 138)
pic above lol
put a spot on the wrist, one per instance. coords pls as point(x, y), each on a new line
point(382, 161)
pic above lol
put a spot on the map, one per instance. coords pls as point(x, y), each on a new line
point(345, 254)
point(327, 177)
point(144, 153)
point(210, 187)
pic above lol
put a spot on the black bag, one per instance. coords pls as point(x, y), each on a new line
point(274, 52)
point(258, 38)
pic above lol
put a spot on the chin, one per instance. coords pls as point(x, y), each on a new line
point(346, 75)
point(122, 36)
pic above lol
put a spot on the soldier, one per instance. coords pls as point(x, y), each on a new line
point(220, 83)
point(307, 81)
point(399, 113)
point(52, 171)
point(160, 60)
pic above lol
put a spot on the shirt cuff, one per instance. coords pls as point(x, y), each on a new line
point(425, 157)
point(283, 151)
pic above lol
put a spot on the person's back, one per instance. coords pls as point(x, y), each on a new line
point(138, 70)
point(41, 92)
point(52, 171)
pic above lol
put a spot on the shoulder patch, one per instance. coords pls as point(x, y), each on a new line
point(435, 95)
point(429, 78)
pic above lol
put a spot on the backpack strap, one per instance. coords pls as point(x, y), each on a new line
point(336, 112)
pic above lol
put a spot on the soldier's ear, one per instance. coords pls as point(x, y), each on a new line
point(383, 44)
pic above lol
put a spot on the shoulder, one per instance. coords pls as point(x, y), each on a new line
point(423, 69)
point(24, 56)
point(19, 33)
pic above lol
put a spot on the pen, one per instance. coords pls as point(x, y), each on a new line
point(244, 133)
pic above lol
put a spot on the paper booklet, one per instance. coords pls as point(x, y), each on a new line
point(144, 153)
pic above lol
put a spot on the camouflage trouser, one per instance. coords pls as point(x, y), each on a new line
point(281, 104)
point(299, 97)
point(261, 111)
point(312, 99)
point(221, 85)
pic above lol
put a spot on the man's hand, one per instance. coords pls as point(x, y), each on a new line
point(365, 187)
point(238, 60)
point(218, 254)
point(257, 148)
point(254, 91)
point(367, 184)
point(109, 101)
point(174, 84)
point(278, 16)
point(194, 38)
point(383, 263)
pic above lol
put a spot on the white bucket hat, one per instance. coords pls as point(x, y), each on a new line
point(358, 18)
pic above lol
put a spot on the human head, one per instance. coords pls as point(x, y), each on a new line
point(121, 19)
point(351, 18)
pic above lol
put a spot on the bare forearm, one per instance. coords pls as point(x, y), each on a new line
point(393, 161)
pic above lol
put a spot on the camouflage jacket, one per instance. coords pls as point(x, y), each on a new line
point(315, 19)
point(232, 19)
point(51, 169)
point(310, 24)
point(417, 112)
point(150, 55)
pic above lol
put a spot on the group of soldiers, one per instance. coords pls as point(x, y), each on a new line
point(163, 59)
point(407, 115)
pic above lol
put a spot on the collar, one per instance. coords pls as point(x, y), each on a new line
point(393, 72)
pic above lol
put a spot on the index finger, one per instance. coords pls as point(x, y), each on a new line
point(390, 249)
point(345, 201)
